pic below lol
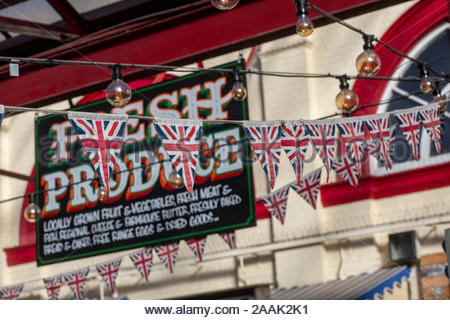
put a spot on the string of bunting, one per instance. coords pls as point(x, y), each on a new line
point(102, 135)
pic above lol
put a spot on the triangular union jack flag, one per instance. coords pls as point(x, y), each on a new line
point(346, 169)
point(53, 286)
point(101, 136)
point(410, 125)
point(265, 141)
point(353, 136)
point(295, 141)
point(380, 137)
point(77, 281)
point(168, 254)
point(143, 261)
point(197, 246)
point(11, 293)
point(181, 140)
point(324, 141)
point(109, 272)
point(228, 237)
point(276, 203)
point(432, 124)
point(309, 188)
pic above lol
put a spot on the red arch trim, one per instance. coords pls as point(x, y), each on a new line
point(402, 35)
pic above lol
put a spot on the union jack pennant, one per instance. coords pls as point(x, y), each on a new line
point(228, 237)
point(295, 142)
point(265, 141)
point(410, 125)
point(346, 169)
point(197, 246)
point(77, 281)
point(53, 286)
point(353, 136)
point(168, 254)
point(432, 124)
point(309, 188)
point(101, 136)
point(181, 140)
point(276, 203)
point(143, 261)
point(11, 293)
point(323, 139)
point(109, 272)
point(380, 137)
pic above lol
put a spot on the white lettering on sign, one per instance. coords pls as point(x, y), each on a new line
point(64, 136)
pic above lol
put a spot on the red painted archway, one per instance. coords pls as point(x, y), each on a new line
point(403, 35)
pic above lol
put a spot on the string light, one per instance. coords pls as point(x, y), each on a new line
point(346, 100)
point(304, 26)
point(238, 91)
point(175, 180)
point(118, 93)
point(427, 85)
point(224, 4)
point(102, 193)
point(368, 63)
point(32, 211)
point(441, 99)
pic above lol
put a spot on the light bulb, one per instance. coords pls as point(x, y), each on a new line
point(224, 4)
point(347, 100)
point(438, 97)
point(238, 91)
point(368, 63)
point(175, 180)
point(427, 84)
point(118, 93)
point(304, 26)
point(31, 212)
point(102, 194)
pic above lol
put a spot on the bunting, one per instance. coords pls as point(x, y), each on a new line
point(295, 142)
point(77, 281)
point(410, 126)
point(53, 286)
point(109, 272)
point(168, 254)
point(276, 203)
point(309, 188)
point(181, 141)
point(324, 141)
point(265, 141)
point(197, 246)
point(101, 136)
point(228, 237)
point(432, 124)
point(346, 169)
point(380, 135)
point(12, 292)
point(353, 136)
point(143, 261)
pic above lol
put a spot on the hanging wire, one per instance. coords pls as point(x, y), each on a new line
point(165, 68)
point(386, 45)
